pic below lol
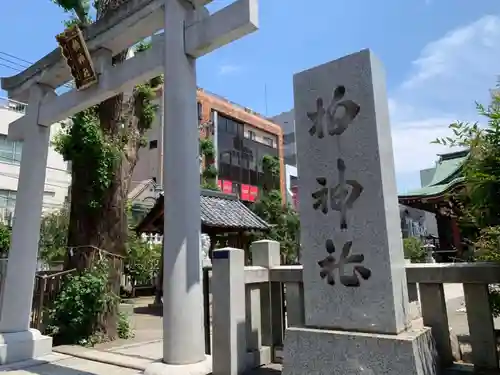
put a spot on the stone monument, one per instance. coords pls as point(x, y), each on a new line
point(355, 290)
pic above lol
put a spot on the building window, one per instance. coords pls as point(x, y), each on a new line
point(251, 135)
point(10, 151)
point(7, 199)
point(153, 145)
point(268, 141)
point(200, 111)
point(229, 126)
point(289, 138)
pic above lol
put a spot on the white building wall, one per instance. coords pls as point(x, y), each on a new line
point(57, 179)
point(290, 171)
point(149, 165)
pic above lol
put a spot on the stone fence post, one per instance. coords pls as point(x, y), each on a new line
point(229, 325)
point(266, 253)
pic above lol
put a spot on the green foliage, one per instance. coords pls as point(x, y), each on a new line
point(54, 235)
point(481, 172)
point(271, 164)
point(5, 235)
point(479, 200)
point(142, 259)
point(207, 148)
point(413, 250)
point(209, 173)
point(271, 169)
point(124, 328)
point(81, 8)
point(85, 144)
point(145, 110)
point(74, 317)
point(284, 221)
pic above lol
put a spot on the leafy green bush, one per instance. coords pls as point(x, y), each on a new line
point(5, 234)
point(284, 222)
point(413, 250)
point(54, 235)
point(124, 329)
point(74, 316)
point(478, 200)
point(142, 260)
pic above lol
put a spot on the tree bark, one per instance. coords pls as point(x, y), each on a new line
point(105, 227)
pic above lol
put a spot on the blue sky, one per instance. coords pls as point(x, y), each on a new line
point(440, 56)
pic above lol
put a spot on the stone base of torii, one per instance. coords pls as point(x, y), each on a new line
point(191, 33)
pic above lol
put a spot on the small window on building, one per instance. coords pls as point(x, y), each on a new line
point(200, 111)
point(289, 138)
point(268, 141)
point(153, 144)
point(251, 135)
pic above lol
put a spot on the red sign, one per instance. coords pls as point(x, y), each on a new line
point(219, 184)
point(245, 192)
point(227, 186)
point(254, 192)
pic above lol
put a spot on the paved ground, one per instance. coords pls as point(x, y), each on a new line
point(65, 365)
point(146, 346)
point(145, 322)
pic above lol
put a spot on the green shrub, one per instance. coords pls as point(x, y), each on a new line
point(74, 316)
point(142, 259)
point(5, 234)
point(124, 328)
point(413, 250)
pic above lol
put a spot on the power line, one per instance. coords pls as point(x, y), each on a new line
point(17, 162)
point(12, 62)
point(10, 67)
point(15, 177)
point(68, 84)
point(15, 57)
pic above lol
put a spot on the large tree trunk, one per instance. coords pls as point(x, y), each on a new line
point(104, 227)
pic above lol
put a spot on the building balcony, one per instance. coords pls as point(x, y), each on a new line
point(13, 105)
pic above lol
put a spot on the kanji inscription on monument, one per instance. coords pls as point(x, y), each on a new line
point(336, 117)
point(339, 198)
point(330, 264)
point(355, 289)
point(346, 170)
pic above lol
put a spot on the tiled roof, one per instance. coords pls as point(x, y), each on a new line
point(226, 211)
point(218, 210)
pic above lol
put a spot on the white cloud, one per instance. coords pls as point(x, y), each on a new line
point(450, 74)
point(227, 69)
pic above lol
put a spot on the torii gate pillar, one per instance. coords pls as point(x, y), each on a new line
point(183, 325)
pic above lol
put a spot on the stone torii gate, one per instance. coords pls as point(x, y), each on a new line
point(190, 33)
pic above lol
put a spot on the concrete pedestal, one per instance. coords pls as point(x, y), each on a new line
point(322, 352)
point(199, 368)
point(25, 345)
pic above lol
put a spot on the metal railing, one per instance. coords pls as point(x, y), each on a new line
point(13, 105)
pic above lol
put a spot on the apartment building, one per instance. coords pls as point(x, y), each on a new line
point(241, 138)
point(57, 180)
